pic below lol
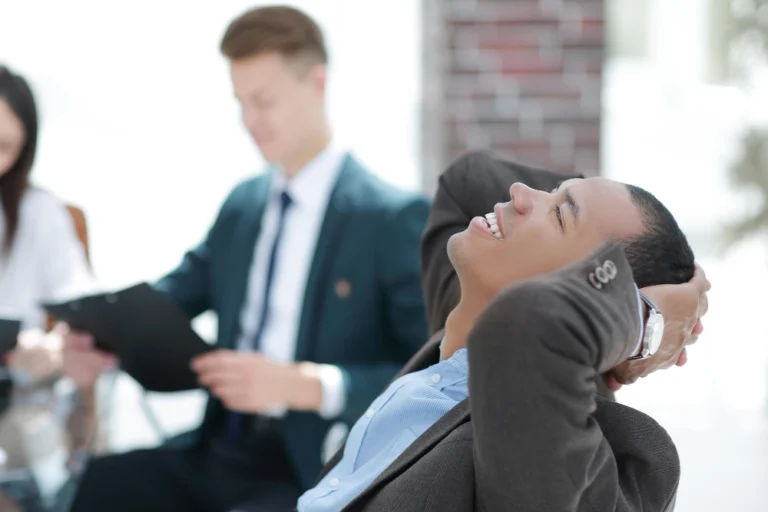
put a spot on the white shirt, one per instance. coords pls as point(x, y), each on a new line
point(46, 262)
point(310, 189)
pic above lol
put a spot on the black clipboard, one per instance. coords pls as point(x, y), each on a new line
point(150, 335)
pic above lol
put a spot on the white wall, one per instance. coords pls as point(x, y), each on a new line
point(668, 130)
point(139, 124)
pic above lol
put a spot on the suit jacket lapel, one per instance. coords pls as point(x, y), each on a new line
point(331, 231)
point(425, 442)
point(241, 259)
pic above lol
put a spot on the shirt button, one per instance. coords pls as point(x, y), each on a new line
point(436, 378)
point(369, 413)
point(334, 482)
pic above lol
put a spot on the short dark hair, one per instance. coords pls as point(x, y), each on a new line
point(15, 91)
point(285, 30)
point(660, 254)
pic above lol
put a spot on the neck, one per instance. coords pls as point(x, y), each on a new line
point(460, 322)
point(308, 151)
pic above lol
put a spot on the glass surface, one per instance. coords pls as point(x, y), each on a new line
point(47, 432)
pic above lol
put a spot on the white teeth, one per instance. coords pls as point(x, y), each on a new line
point(494, 225)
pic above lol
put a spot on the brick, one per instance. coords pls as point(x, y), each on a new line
point(585, 133)
point(525, 26)
point(516, 11)
point(528, 63)
point(511, 40)
point(520, 77)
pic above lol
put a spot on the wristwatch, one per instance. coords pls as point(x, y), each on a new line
point(653, 332)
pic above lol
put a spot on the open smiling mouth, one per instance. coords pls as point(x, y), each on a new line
point(493, 225)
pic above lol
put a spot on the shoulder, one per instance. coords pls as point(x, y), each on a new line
point(42, 208)
point(373, 195)
point(643, 449)
point(243, 195)
point(246, 189)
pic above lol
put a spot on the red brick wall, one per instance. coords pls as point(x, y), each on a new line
point(519, 77)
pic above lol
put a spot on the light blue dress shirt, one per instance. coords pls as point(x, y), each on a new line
point(410, 405)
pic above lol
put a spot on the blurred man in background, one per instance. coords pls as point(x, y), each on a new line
point(313, 272)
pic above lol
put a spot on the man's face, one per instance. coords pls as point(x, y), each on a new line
point(542, 232)
point(281, 102)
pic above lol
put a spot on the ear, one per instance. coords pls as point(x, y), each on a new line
point(318, 78)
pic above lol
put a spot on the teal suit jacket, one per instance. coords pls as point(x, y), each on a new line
point(370, 238)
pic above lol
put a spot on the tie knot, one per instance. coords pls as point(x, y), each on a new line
point(285, 200)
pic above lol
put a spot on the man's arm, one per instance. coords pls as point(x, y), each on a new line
point(402, 303)
point(470, 187)
point(189, 284)
point(535, 356)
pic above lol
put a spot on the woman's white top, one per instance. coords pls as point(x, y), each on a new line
point(46, 262)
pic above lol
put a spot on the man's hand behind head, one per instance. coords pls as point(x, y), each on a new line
point(682, 306)
point(81, 361)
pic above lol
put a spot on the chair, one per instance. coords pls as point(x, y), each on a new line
point(78, 217)
point(85, 412)
point(88, 404)
point(81, 228)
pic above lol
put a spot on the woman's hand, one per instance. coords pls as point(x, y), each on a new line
point(37, 354)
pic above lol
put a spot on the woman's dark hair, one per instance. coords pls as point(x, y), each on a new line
point(15, 91)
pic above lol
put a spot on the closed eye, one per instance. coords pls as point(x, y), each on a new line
point(559, 216)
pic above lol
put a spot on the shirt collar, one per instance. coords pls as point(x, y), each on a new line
point(311, 186)
point(458, 362)
point(453, 370)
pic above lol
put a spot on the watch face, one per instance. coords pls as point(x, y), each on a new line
point(655, 332)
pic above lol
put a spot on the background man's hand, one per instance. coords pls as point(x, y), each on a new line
point(81, 361)
point(682, 306)
point(250, 382)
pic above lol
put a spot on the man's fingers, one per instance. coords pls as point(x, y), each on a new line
point(78, 341)
point(213, 360)
point(682, 358)
point(84, 367)
point(97, 361)
point(228, 394)
point(611, 383)
point(697, 330)
point(699, 280)
point(703, 305)
point(217, 377)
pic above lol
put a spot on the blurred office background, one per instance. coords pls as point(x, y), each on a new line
point(140, 128)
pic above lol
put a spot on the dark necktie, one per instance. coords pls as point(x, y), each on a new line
point(235, 420)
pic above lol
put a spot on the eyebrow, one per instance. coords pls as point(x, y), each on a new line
point(572, 204)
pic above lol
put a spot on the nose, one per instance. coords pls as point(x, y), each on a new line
point(523, 197)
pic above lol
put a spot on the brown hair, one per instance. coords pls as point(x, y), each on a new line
point(280, 29)
point(16, 92)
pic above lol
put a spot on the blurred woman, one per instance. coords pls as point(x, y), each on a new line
point(41, 257)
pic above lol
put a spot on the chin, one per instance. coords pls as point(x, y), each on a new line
point(268, 156)
point(269, 152)
point(458, 249)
